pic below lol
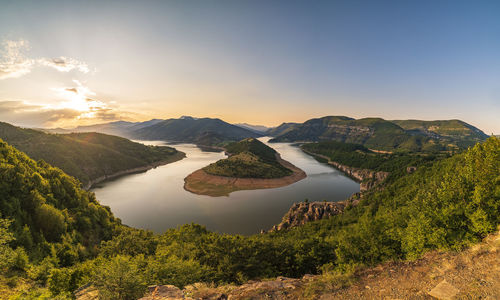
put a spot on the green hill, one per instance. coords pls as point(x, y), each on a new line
point(86, 156)
point(358, 156)
point(50, 214)
point(445, 205)
point(203, 131)
point(248, 158)
point(454, 131)
point(379, 134)
point(281, 129)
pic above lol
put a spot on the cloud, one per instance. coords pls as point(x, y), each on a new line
point(15, 63)
point(64, 64)
point(33, 115)
point(76, 105)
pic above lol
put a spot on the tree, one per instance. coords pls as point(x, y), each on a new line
point(7, 255)
point(121, 278)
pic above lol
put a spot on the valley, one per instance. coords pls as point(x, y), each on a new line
point(324, 207)
point(249, 150)
point(167, 204)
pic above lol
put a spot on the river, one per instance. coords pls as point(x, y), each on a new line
point(156, 199)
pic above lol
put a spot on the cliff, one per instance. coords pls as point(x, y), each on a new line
point(303, 212)
point(367, 178)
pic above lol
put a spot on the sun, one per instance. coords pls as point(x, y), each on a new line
point(79, 99)
point(76, 102)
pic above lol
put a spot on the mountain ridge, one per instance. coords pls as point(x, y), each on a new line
point(377, 133)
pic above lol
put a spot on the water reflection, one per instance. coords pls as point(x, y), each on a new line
point(156, 199)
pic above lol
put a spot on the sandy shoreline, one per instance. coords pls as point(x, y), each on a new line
point(201, 183)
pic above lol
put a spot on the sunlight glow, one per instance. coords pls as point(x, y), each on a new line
point(77, 98)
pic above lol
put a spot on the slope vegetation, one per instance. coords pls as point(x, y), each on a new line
point(376, 133)
point(447, 205)
point(249, 158)
point(250, 165)
point(87, 156)
point(49, 214)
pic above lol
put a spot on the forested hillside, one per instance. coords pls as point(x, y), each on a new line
point(358, 156)
point(49, 214)
point(86, 156)
point(380, 134)
point(249, 158)
point(444, 205)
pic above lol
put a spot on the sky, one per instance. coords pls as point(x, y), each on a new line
point(69, 63)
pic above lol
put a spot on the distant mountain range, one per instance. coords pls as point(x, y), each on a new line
point(282, 129)
point(374, 133)
point(257, 128)
point(380, 134)
point(203, 131)
point(200, 131)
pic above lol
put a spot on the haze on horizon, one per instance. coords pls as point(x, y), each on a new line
point(69, 63)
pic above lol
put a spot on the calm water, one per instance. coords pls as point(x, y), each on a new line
point(156, 199)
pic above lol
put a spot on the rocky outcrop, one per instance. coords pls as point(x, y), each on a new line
point(367, 178)
point(468, 274)
point(163, 292)
point(303, 212)
point(280, 288)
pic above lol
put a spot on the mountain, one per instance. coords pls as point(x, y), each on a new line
point(120, 128)
point(281, 129)
point(380, 134)
point(87, 156)
point(257, 128)
point(452, 130)
point(202, 131)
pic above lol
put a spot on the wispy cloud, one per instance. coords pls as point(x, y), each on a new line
point(64, 64)
point(33, 115)
point(15, 63)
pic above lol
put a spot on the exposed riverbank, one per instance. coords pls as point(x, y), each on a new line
point(366, 177)
point(301, 213)
point(202, 183)
point(175, 157)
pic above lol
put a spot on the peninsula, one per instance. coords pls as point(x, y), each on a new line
point(251, 165)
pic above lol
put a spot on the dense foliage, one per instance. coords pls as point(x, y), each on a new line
point(50, 213)
point(447, 205)
point(86, 156)
point(358, 156)
point(249, 158)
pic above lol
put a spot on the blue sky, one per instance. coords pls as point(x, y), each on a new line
point(262, 62)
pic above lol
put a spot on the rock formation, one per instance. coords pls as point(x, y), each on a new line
point(303, 212)
point(367, 178)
